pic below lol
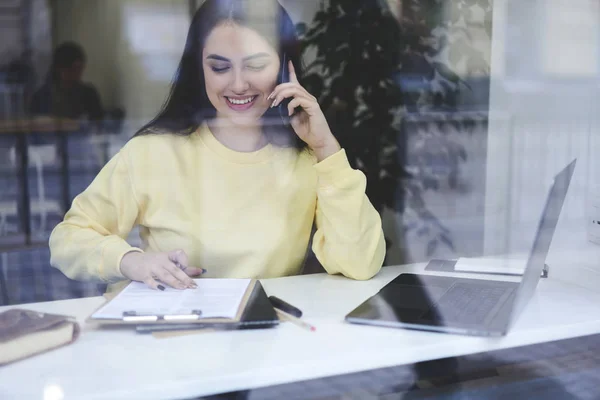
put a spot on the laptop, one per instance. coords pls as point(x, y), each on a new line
point(466, 306)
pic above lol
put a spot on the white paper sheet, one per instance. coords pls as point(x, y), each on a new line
point(515, 266)
point(216, 298)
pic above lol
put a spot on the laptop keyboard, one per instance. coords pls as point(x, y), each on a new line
point(466, 304)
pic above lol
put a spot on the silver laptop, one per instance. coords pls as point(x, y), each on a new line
point(466, 306)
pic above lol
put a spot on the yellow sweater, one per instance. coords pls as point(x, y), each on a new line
point(235, 214)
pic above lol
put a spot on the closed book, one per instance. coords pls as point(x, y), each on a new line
point(25, 333)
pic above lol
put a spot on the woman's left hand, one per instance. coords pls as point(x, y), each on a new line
point(309, 123)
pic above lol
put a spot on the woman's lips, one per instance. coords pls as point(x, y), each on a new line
point(240, 103)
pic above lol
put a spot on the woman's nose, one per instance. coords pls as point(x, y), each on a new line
point(240, 84)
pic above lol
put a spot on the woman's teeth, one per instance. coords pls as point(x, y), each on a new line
point(240, 101)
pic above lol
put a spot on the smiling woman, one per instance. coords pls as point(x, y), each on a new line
point(217, 188)
point(231, 63)
point(240, 71)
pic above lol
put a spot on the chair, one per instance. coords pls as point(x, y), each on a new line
point(111, 129)
point(8, 206)
point(8, 201)
point(12, 106)
point(12, 100)
point(4, 299)
point(39, 157)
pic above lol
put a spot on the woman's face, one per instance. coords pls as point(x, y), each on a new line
point(240, 71)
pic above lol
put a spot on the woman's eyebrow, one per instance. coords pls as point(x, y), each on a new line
point(217, 57)
point(257, 55)
point(221, 58)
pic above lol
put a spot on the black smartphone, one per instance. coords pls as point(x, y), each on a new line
point(284, 77)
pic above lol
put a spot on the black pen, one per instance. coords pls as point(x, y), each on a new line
point(285, 307)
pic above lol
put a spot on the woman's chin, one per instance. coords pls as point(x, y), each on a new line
point(244, 120)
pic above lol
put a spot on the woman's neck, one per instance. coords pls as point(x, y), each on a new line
point(245, 139)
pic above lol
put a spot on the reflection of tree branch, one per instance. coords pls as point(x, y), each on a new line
point(425, 223)
point(368, 69)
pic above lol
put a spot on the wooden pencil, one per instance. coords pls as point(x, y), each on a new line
point(288, 317)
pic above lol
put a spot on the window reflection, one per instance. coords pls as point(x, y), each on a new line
point(458, 113)
point(571, 50)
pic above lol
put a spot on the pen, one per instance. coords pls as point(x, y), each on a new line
point(285, 306)
point(288, 317)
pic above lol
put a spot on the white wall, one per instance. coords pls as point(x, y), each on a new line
point(133, 47)
point(12, 42)
point(95, 26)
point(544, 112)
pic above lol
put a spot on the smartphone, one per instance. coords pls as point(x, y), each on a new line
point(284, 77)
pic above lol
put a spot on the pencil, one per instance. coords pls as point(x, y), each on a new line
point(288, 317)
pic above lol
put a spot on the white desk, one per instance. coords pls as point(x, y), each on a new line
point(120, 364)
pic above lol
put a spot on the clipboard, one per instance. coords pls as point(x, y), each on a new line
point(255, 312)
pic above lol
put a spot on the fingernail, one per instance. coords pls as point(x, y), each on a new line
point(271, 95)
point(161, 287)
point(274, 103)
point(192, 285)
point(203, 271)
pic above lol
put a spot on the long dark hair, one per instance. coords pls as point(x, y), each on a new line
point(187, 105)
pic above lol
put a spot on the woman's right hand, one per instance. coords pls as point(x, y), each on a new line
point(153, 268)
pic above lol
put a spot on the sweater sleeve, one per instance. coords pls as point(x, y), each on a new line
point(90, 242)
point(349, 237)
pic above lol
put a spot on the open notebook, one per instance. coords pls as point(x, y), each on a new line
point(214, 301)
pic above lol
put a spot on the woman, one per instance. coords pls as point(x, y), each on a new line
point(217, 187)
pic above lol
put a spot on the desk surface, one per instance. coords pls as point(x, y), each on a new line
point(39, 125)
point(119, 364)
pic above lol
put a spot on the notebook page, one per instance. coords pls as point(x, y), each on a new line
point(491, 265)
point(216, 298)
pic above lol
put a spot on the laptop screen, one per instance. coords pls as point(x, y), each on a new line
point(543, 238)
point(468, 306)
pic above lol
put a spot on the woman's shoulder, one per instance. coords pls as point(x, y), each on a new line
point(152, 155)
point(153, 147)
point(152, 139)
